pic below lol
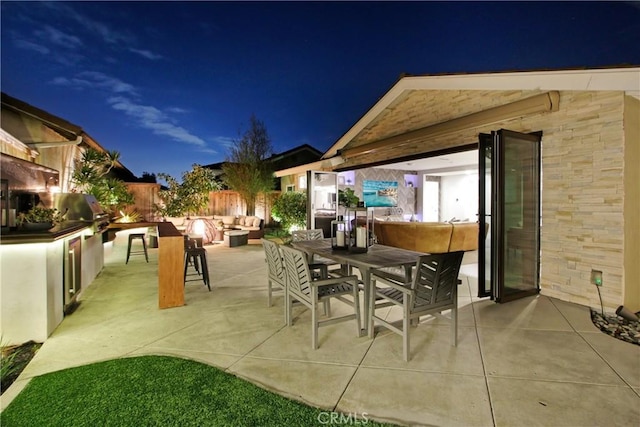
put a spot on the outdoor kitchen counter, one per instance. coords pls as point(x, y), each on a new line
point(58, 232)
point(41, 275)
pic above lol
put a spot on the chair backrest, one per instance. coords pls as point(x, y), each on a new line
point(436, 281)
point(297, 272)
point(274, 261)
point(301, 235)
point(188, 243)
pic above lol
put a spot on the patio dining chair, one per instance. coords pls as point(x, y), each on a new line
point(276, 274)
point(432, 290)
point(313, 234)
point(319, 266)
point(318, 263)
point(301, 287)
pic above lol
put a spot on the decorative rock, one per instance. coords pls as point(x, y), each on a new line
point(617, 326)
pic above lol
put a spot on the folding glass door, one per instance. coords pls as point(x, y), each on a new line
point(322, 200)
point(509, 206)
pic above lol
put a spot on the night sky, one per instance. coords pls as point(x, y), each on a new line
point(169, 84)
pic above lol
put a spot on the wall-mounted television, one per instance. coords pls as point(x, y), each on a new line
point(380, 193)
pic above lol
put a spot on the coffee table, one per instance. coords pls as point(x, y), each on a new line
point(236, 238)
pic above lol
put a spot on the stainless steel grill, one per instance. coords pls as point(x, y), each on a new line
point(84, 208)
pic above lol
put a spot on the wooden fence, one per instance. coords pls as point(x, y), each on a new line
point(145, 195)
point(225, 202)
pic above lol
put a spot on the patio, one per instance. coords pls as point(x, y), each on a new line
point(536, 361)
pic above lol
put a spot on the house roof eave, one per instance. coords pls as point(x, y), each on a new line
point(626, 79)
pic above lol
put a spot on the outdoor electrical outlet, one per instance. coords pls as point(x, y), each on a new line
point(596, 277)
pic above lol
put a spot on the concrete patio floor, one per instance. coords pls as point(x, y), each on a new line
point(535, 361)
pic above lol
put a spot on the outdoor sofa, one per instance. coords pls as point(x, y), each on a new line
point(428, 237)
point(253, 224)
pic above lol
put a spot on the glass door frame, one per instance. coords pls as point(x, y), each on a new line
point(492, 257)
point(313, 179)
point(485, 287)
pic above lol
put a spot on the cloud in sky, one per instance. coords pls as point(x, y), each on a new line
point(105, 32)
point(177, 110)
point(109, 35)
point(210, 151)
point(96, 80)
point(35, 47)
point(152, 118)
point(224, 141)
point(120, 96)
point(146, 54)
point(58, 37)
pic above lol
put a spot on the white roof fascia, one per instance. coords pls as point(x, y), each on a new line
point(300, 169)
point(609, 79)
point(613, 79)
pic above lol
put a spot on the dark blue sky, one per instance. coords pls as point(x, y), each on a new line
point(169, 84)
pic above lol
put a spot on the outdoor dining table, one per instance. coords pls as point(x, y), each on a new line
point(377, 256)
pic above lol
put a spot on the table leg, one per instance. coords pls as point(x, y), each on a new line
point(366, 279)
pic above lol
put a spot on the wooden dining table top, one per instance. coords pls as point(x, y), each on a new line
point(377, 256)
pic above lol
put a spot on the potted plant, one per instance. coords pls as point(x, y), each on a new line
point(347, 198)
point(39, 219)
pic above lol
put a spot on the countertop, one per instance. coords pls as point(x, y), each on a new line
point(58, 232)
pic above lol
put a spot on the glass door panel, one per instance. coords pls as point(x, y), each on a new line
point(509, 205)
point(519, 214)
point(322, 202)
point(484, 215)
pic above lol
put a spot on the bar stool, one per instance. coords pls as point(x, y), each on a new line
point(189, 257)
point(196, 254)
point(140, 236)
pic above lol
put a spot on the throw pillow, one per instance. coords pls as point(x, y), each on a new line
point(228, 220)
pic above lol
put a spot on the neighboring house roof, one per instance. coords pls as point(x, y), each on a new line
point(66, 129)
point(296, 156)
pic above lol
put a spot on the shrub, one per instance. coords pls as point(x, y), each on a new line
point(290, 210)
point(189, 197)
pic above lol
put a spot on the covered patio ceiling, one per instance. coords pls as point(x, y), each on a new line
point(428, 116)
point(422, 116)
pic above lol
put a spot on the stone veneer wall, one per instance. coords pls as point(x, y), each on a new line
point(582, 180)
point(583, 197)
point(632, 203)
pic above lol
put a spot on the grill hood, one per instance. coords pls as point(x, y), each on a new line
point(79, 207)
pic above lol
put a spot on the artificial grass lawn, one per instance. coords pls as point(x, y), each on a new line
point(154, 390)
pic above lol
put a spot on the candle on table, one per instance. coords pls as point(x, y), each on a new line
point(361, 237)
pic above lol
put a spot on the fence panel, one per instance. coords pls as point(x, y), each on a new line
point(145, 195)
point(224, 202)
